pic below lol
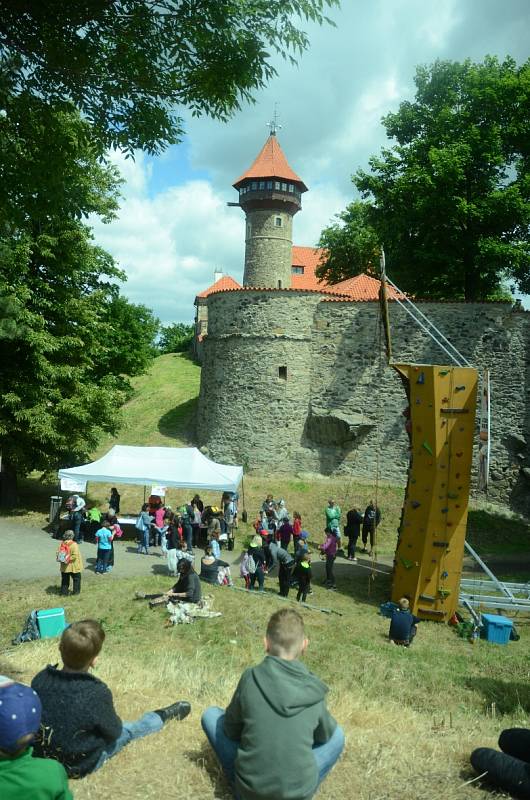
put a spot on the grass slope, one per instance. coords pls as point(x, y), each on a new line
point(411, 717)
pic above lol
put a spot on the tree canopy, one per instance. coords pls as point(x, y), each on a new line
point(450, 201)
point(176, 338)
point(130, 66)
point(61, 319)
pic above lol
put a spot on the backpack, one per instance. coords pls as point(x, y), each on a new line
point(30, 631)
point(63, 555)
point(251, 564)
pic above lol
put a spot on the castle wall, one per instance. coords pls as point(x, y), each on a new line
point(339, 409)
point(268, 248)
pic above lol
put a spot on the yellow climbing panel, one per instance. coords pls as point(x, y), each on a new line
point(440, 421)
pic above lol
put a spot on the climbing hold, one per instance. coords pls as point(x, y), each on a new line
point(457, 505)
point(413, 480)
point(442, 466)
point(442, 485)
point(445, 574)
point(444, 372)
point(415, 504)
point(418, 428)
point(452, 495)
point(421, 378)
point(406, 563)
point(457, 474)
point(418, 401)
point(445, 399)
point(444, 510)
point(459, 487)
point(449, 524)
point(444, 592)
point(444, 422)
point(459, 455)
point(461, 429)
point(427, 447)
point(459, 388)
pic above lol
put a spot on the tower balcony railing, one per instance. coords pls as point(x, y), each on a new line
point(254, 188)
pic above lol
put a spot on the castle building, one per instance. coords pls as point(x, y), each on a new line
point(293, 378)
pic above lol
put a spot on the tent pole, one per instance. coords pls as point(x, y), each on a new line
point(144, 494)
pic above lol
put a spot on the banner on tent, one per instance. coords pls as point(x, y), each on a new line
point(70, 485)
point(160, 491)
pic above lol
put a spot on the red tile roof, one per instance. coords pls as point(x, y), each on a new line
point(271, 163)
point(224, 283)
point(361, 288)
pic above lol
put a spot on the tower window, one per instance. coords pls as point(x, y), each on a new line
point(253, 186)
point(269, 184)
point(297, 270)
point(280, 285)
point(284, 187)
point(291, 187)
point(277, 185)
point(262, 184)
point(278, 222)
point(282, 373)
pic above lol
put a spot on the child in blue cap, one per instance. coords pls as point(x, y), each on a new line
point(21, 775)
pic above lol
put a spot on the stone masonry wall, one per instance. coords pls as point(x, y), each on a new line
point(268, 248)
point(337, 386)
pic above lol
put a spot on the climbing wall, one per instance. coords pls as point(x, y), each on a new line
point(440, 421)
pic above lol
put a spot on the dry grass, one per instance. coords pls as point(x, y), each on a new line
point(411, 717)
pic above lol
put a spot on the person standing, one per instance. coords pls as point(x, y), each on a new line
point(285, 570)
point(104, 539)
point(114, 500)
point(333, 513)
point(71, 563)
point(352, 530)
point(77, 516)
point(278, 710)
point(256, 563)
point(143, 526)
point(372, 518)
point(329, 550)
point(187, 517)
point(302, 573)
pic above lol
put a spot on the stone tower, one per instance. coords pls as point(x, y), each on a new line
point(270, 194)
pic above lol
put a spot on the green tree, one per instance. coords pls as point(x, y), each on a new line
point(128, 338)
point(129, 65)
point(176, 338)
point(450, 201)
point(55, 399)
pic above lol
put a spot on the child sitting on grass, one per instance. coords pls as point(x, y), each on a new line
point(278, 708)
point(80, 727)
point(22, 776)
point(403, 624)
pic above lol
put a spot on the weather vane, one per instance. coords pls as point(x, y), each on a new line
point(274, 124)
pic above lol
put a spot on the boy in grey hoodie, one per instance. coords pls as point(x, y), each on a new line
point(278, 704)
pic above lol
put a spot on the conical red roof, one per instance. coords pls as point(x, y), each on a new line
point(271, 163)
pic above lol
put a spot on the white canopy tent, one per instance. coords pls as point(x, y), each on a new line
point(184, 467)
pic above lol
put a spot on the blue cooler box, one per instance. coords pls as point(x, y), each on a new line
point(497, 628)
point(51, 622)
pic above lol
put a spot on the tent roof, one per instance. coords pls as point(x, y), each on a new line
point(185, 467)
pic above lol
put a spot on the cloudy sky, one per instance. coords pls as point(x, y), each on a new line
point(174, 227)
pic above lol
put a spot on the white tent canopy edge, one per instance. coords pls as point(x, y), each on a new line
point(181, 467)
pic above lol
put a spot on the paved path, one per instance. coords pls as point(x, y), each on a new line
point(29, 552)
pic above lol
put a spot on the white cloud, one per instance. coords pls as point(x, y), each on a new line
point(170, 244)
point(170, 239)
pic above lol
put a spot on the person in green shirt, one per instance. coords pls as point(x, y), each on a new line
point(23, 777)
point(333, 513)
point(279, 707)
